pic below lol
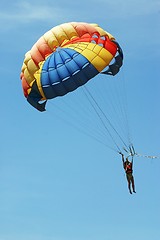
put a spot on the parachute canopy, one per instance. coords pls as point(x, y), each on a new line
point(65, 58)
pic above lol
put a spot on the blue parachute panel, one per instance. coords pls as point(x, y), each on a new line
point(64, 71)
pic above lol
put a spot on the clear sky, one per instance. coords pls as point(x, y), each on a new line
point(57, 183)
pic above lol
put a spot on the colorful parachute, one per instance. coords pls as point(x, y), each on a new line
point(65, 58)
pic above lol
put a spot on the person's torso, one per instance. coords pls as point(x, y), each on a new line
point(128, 167)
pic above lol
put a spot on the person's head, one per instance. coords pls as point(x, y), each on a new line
point(127, 161)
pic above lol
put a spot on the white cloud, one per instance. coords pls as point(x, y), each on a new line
point(26, 11)
point(25, 237)
point(130, 8)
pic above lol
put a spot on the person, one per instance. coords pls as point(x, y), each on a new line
point(128, 167)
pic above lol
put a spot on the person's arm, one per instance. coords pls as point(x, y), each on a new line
point(132, 162)
point(122, 158)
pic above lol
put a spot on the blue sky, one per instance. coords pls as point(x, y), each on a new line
point(57, 183)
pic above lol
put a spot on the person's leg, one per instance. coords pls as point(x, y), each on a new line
point(129, 182)
point(133, 186)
